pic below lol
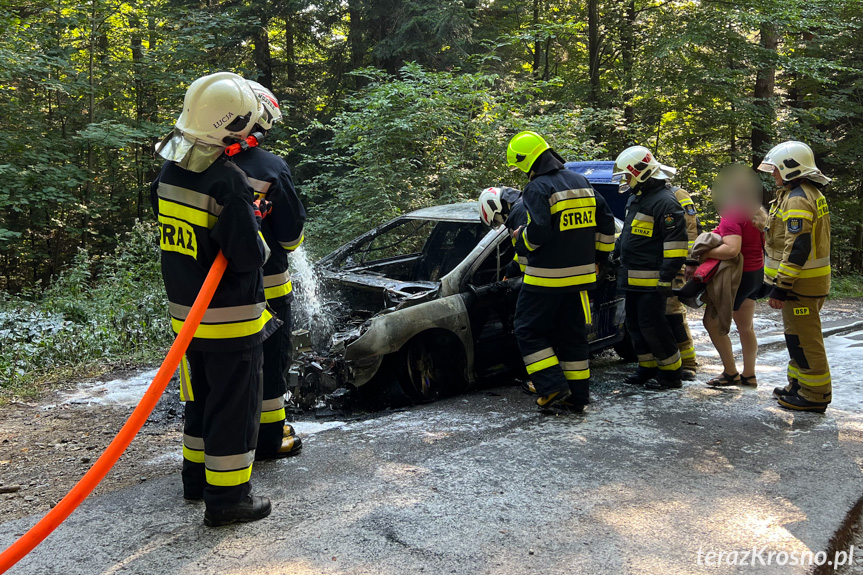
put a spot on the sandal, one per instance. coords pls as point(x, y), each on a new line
point(748, 380)
point(725, 380)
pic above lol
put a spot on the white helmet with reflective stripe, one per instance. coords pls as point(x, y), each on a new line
point(495, 204)
point(491, 207)
point(218, 110)
point(794, 160)
point(639, 163)
point(270, 112)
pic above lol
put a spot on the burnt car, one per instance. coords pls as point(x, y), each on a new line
point(424, 310)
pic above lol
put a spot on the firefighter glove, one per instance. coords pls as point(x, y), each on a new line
point(262, 208)
point(664, 289)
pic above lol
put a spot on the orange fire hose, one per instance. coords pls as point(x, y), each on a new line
point(127, 433)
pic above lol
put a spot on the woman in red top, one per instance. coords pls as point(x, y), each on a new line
point(741, 235)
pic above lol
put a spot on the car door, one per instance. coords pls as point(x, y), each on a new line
point(490, 299)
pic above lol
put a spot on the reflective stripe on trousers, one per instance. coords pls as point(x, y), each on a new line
point(670, 363)
point(540, 360)
point(273, 410)
point(193, 448)
point(646, 360)
point(229, 470)
point(575, 370)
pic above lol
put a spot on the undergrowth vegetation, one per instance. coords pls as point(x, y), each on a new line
point(80, 326)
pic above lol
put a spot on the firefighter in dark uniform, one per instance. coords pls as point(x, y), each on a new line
point(282, 229)
point(652, 248)
point(205, 204)
point(569, 231)
point(505, 206)
point(797, 271)
point(674, 309)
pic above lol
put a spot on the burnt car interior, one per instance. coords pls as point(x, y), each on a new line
point(414, 250)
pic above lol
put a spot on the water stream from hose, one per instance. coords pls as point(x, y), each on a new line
point(311, 310)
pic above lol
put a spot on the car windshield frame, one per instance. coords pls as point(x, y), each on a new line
point(354, 256)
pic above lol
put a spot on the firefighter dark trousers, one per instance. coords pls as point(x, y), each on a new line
point(651, 333)
point(221, 428)
point(277, 360)
point(676, 313)
point(551, 329)
point(805, 341)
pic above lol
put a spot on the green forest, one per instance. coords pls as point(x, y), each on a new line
point(389, 106)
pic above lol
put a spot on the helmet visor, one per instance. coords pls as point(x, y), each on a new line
point(766, 167)
point(187, 152)
point(622, 181)
point(174, 146)
point(664, 172)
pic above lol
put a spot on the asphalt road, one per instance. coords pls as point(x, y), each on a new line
point(641, 483)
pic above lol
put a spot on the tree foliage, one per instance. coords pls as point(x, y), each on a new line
point(395, 105)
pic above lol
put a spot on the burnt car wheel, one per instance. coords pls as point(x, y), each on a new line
point(432, 366)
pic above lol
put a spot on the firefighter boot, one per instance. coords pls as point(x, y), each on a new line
point(665, 379)
point(554, 402)
point(579, 398)
point(797, 403)
point(790, 389)
point(527, 387)
point(251, 508)
point(291, 445)
point(641, 376)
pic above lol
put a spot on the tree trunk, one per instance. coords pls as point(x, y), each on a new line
point(91, 117)
point(263, 58)
point(765, 82)
point(857, 250)
point(627, 51)
point(290, 50)
point(593, 49)
point(355, 40)
point(135, 40)
point(537, 40)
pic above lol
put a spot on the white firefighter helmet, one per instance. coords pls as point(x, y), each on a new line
point(218, 110)
point(640, 164)
point(270, 112)
point(794, 160)
point(491, 207)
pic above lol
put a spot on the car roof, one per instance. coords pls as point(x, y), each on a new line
point(595, 172)
point(467, 212)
